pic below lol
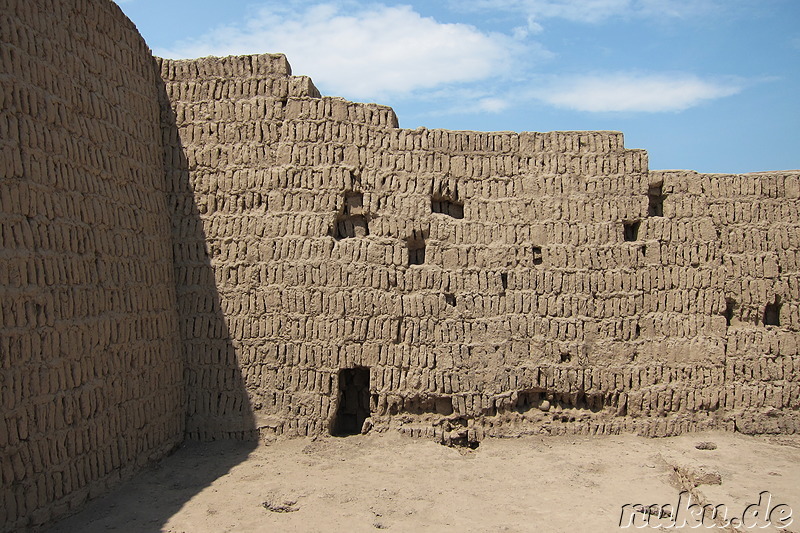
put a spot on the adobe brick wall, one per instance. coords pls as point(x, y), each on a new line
point(91, 384)
point(221, 252)
point(563, 287)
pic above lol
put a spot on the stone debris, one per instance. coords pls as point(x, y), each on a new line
point(705, 445)
point(287, 506)
point(703, 475)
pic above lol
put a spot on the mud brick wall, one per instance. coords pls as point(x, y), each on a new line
point(211, 249)
point(755, 219)
point(479, 283)
point(91, 384)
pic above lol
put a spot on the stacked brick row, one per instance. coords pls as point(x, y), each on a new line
point(90, 384)
point(755, 223)
point(221, 252)
point(493, 283)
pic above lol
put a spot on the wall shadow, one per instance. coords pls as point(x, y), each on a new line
point(217, 404)
point(220, 430)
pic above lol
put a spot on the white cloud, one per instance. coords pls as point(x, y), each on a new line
point(381, 52)
point(368, 52)
point(576, 10)
point(683, 9)
point(493, 104)
point(633, 92)
point(595, 11)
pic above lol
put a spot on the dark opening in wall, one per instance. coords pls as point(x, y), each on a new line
point(631, 230)
point(772, 313)
point(416, 250)
point(458, 434)
point(444, 406)
point(730, 304)
point(447, 206)
point(528, 399)
point(353, 408)
point(504, 280)
point(353, 203)
point(418, 405)
point(349, 227)
point(655, 201)
point(445, 200)
point(352, 220)
point(450, 299)
point(398, 334)
point(537, 255)
point(565, 357)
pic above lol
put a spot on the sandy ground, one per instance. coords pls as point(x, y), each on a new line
point(373, 482)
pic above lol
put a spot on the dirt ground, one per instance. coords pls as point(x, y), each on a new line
point(372, 482)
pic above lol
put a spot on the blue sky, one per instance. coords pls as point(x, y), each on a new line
point(708, 85)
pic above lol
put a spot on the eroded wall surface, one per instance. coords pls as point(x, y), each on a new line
point(220, 252)
point(91, 383)
point(481, 283)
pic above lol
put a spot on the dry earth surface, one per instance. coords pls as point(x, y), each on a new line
point(373, 482)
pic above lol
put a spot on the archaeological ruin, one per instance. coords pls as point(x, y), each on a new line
point(210, 249)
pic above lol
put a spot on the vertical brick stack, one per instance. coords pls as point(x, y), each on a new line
point(91, 385)
point(753, 220)
point(493, 283)
point(219, 179)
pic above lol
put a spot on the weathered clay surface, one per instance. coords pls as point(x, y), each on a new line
point(211, 249)
point(91, 386)
point(492, 283)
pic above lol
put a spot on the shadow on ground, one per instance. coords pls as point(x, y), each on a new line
point(147, 502)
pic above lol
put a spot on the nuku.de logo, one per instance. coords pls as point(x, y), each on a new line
point(694, 515)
